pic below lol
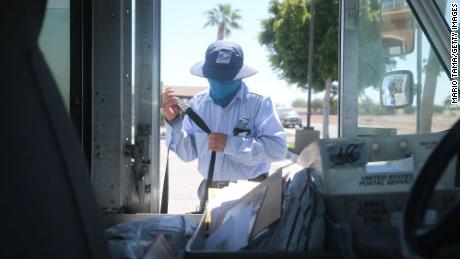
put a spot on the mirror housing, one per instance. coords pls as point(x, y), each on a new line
point(397, 28)
point(397, 89)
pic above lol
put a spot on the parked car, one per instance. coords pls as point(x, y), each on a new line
point(289, 118)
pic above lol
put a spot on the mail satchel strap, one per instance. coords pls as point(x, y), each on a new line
point(200, 123)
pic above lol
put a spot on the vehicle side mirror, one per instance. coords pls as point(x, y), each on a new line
point(397, 28)
point(397, 89)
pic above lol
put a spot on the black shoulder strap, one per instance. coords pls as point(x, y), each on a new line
point(204, 200)
point(200, 123)
point(165, 194)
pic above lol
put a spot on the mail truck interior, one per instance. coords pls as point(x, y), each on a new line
point(80, 112)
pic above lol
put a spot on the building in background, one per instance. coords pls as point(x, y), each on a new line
point(187, 92)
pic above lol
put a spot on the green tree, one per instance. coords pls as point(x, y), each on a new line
point(432, 70)
point(409, 110)
point(334, 106)
point(372, 60)
point(367, 107)
point(439, 109)
point(317, 104)
point(225, 18)
point(285, 35)
point(299, 103)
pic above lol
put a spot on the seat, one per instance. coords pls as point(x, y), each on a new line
point(48, 209)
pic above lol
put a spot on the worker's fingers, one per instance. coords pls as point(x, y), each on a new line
point(175, 109)
point(170, 104)
point(217, 148)
point(167, 93)
point(171, 112)
point(174, 100)
point(217, 141)
point(170, 101)
point(168, 90)
point(212, 147)
point(217, 136)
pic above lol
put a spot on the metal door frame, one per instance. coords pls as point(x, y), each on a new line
point(429, 20)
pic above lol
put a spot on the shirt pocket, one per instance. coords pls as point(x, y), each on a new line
point(243, 127)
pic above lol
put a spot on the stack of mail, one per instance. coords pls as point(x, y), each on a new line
point(302, 225)
point(282, 213)
point(235, 223)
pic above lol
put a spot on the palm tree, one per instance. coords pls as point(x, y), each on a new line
point(224, 18)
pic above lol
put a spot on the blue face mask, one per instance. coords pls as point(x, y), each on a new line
point(222, 92)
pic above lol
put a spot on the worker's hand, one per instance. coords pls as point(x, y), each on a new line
point(217, 141)
point(170, 104)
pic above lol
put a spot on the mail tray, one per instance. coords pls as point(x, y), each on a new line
point(194, 249)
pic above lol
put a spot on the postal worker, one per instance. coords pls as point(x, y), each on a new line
point(246, 132)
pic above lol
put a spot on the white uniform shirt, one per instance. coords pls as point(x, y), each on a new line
point(246, 155)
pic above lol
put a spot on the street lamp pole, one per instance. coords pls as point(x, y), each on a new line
point(310, 61)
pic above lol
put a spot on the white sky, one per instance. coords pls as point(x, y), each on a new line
point(184, 42)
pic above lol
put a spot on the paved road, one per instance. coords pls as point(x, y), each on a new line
point(183, 182)
point(333, 131)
